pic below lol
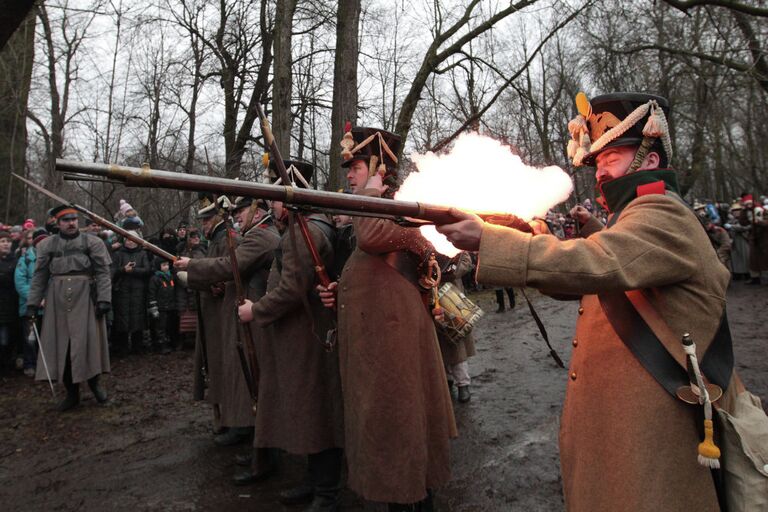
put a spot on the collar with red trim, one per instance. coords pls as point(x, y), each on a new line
point(620, 192)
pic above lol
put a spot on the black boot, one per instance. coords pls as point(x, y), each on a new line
point(325, 470)
point(511, 295)
point(73, 397)
point(98, 392)
point(464, 394)
point(234, 436)
point(263, 465)
point(754, 280)
point(73, 390)
point(302, 493)
point(500, 300)
point(244, 459)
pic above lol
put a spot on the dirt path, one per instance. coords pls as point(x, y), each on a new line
point(151, 448)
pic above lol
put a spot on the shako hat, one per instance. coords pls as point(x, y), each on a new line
point(362, 143)
point(63, 211)
point(244, 202)
point(299, 172)
point(617, 119)
point(208, 208)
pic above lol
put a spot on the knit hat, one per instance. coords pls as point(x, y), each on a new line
point(29, 224)
point(39, 235)
point(17, 229)
point(131, 224)
point(125, 207)
point(4, 234)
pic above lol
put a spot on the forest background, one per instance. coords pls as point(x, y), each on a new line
point(164, 82)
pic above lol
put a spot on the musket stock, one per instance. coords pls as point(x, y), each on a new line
point(351, 204)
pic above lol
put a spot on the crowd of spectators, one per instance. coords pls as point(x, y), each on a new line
point(151, 311)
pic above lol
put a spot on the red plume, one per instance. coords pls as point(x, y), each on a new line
point(347, 126)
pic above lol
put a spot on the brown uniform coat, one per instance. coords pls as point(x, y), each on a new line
point(227, 388)
point(300, 408)
point(625, 444)
point(70, 316)
point(397, 409)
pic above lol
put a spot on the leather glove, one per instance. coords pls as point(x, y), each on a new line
point(181, 276)
point(153, 311)
point(30, 313)
point(102, 308)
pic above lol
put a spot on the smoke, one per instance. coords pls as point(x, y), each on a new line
point(482, 175)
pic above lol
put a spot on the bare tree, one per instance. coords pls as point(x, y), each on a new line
point(344, 81)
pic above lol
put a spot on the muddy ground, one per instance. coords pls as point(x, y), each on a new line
point(151, 448)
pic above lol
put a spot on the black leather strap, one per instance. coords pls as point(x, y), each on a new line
point(643, 342)
point(716, 365)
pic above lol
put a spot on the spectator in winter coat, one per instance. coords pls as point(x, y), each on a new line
point(9, 315)
point(25, 269)
point(131, 271)
point(162, 307)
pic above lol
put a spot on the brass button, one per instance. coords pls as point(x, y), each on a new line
point(342, 306)
point(575, 342)
point(581, 310)
point(573, 375)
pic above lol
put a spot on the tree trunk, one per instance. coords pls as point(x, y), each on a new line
point(344, 83)
point(15, 78)
point(283, 83)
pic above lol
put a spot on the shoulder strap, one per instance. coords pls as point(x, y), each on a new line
point(666, 361)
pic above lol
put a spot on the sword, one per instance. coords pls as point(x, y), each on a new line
point(42, 356)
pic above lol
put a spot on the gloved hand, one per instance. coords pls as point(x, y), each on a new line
point(153, 311)
point(181, 277)
point(102, 308)
point(30, 313)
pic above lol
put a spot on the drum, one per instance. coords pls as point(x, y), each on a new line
point(459, 313)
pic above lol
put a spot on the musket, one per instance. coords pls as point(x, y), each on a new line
point(320, 200)
point(269, 140)
point(246, 348)
point(98, 219)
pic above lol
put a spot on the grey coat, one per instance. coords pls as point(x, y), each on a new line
point(72, 274)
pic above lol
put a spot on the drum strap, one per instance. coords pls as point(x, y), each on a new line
point(542, 330)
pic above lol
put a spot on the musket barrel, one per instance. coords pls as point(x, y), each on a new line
point(145, 177)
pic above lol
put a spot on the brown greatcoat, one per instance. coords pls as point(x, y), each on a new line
point(227, 389)
point(70, 316)
point(458, 352)
point(300, 408)
point(397, 408)
point(625, 443)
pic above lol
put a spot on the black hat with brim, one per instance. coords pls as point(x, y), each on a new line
point(609, 110)
point(361, 133)
point(304, 168)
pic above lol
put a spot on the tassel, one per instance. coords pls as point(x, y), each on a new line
point(347, 143)
point(576, 126)
point(709, 453)
point(579, 156)
point(382, 170)
point(655, 126)
point(572, 147)
point(265, 159)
